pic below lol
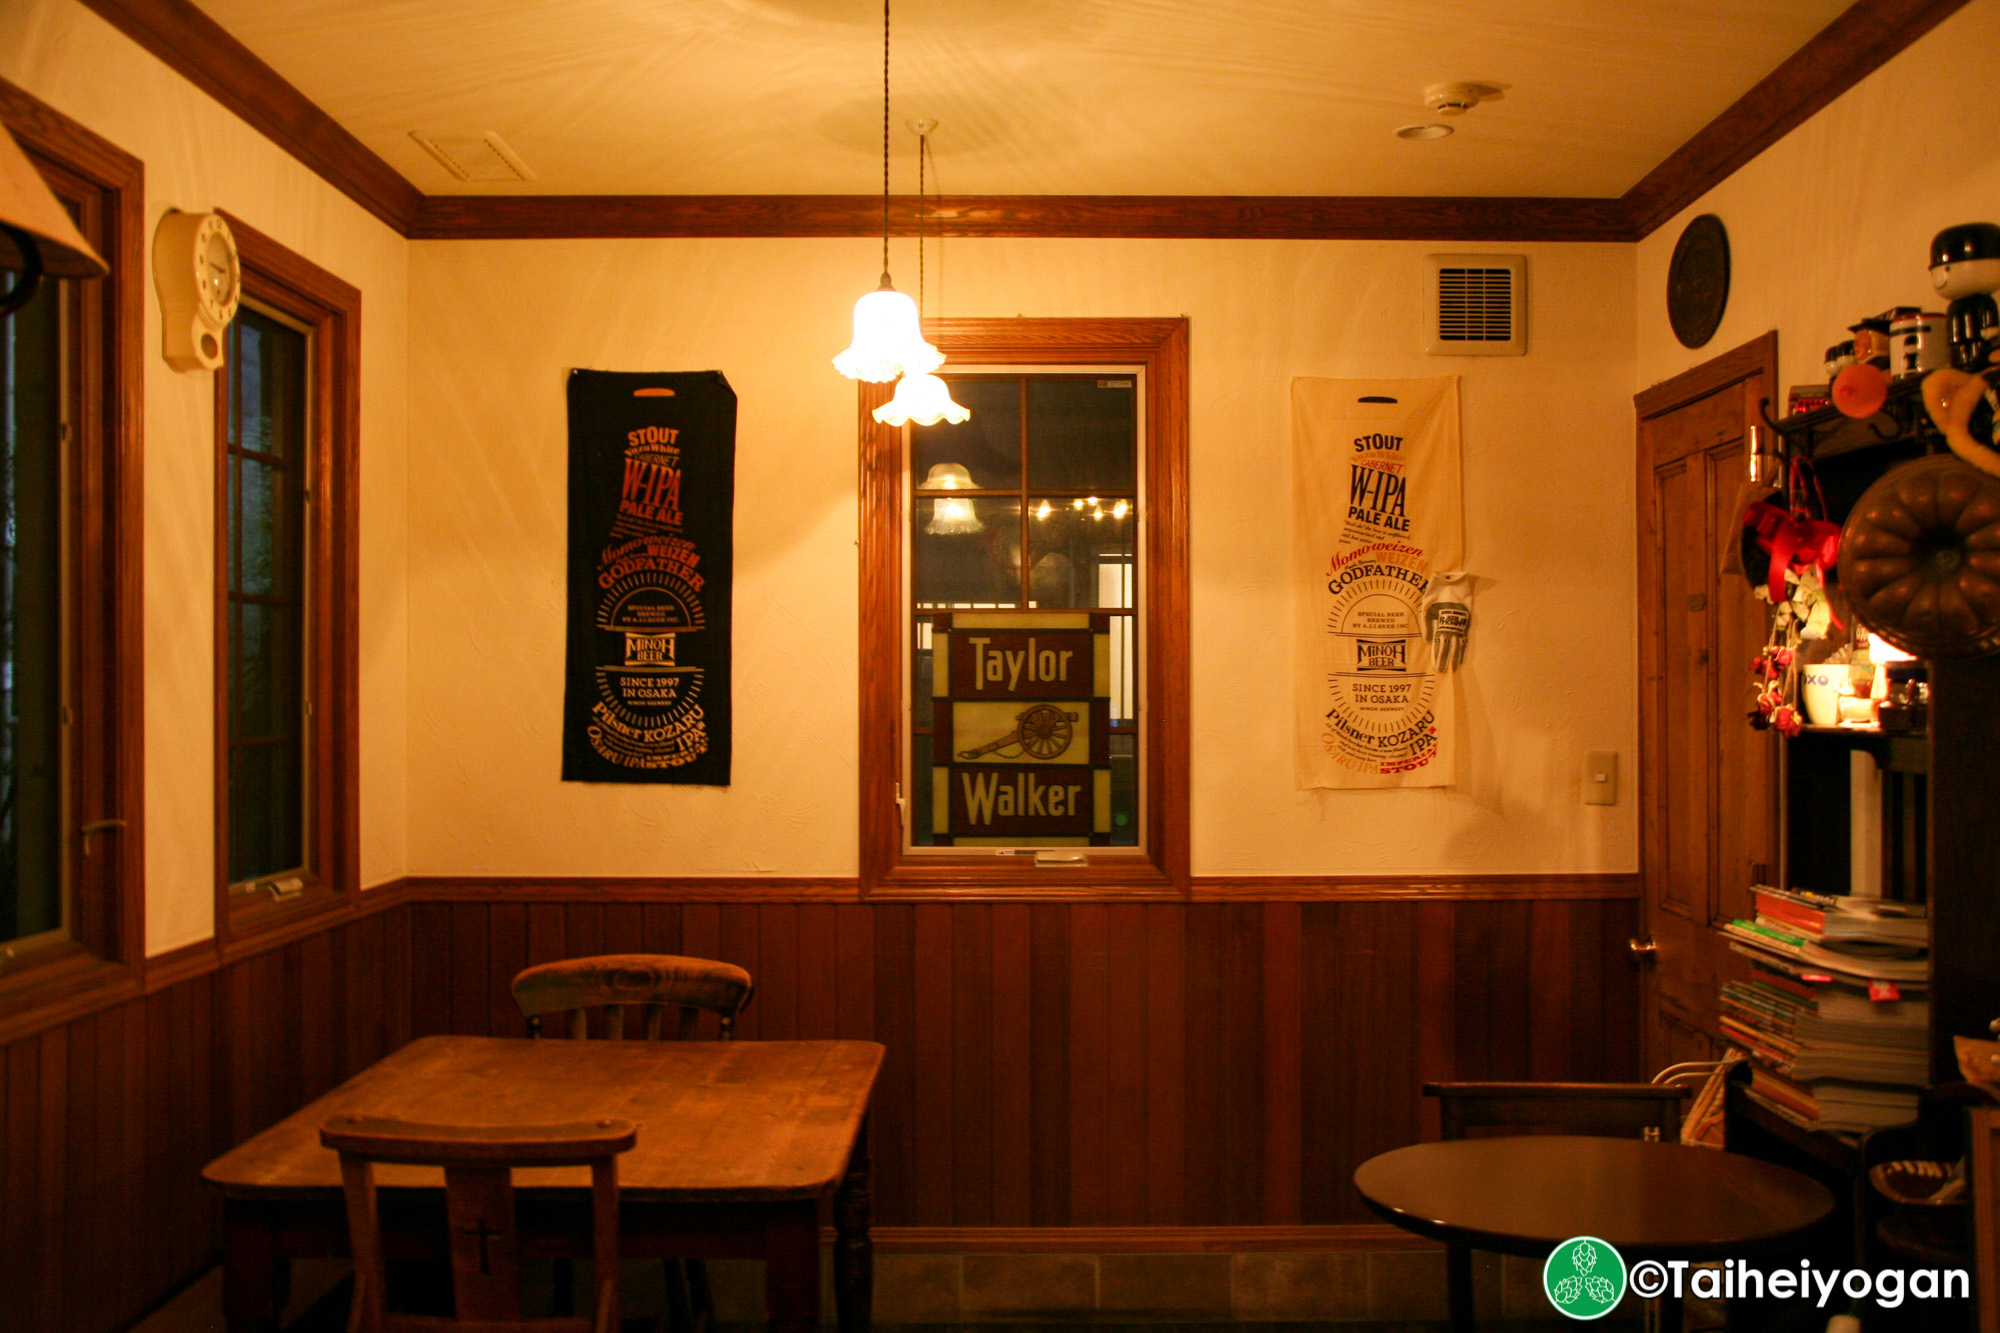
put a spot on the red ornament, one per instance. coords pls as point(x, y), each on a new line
point(1860, 390)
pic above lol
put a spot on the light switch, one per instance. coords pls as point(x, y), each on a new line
point(1600, 777)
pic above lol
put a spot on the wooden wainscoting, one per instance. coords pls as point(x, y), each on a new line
point(1091, 1064)
point(1156, 1076)
point(107, 1120)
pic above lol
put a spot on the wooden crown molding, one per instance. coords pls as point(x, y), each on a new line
point(1146, 217)
point(201, 51)
point(1841, 55)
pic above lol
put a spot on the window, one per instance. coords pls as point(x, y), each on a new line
point(1027, 573)
point(285, 614)
point(71, 789)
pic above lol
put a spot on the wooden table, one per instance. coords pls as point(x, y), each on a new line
point(739, 1145)
point(1526, 1195)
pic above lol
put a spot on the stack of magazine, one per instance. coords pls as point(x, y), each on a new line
point(1835, 1015)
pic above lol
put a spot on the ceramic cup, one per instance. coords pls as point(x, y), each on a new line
point(1819, 691)
point(1918, 344)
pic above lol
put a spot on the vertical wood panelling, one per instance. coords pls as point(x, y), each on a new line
point(1011, 1051)
point(1061, 1064)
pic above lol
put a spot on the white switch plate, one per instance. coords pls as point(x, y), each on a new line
point(1600, 777)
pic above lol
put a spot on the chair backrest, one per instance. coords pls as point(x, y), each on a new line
point(479, 1211)
point(1577, 1107)
point(650, 981)
point(1983, 1147)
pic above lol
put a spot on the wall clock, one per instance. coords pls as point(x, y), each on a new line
point(200, 281)
point(1698, 280)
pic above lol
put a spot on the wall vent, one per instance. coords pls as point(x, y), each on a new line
point(483, 157)
point(1476, 305)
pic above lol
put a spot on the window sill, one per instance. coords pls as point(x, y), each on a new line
point(58, 984)
point(255, 922)
point(963, 878)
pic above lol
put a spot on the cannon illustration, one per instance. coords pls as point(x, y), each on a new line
point(1044, 732)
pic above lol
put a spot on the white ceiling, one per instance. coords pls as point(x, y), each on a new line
point(1032, 96)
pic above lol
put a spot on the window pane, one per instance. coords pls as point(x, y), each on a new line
point(968, 552)
point(1081, 431)
point(31, 742)
point(267, 623)
point(988, 446)
point(1080, 552)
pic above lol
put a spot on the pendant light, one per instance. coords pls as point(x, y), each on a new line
point(951, 515)
point(888, 337)
point(920, 396)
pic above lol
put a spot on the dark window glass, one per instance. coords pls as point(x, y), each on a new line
point(1061, 452)
point(267, 474)
point(31, 589)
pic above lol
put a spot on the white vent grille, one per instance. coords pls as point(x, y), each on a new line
point(1475, 305)
point(483, 157)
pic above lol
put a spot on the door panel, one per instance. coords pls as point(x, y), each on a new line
point(1708, 807)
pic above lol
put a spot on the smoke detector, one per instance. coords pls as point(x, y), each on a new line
point(1455, 99)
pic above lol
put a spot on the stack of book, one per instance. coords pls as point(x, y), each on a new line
point(1834, 1016)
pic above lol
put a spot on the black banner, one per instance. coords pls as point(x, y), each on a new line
point(652, 477)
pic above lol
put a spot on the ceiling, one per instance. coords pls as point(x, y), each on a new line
point(1061, 97)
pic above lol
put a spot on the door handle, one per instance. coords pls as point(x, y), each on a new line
point(1643, 951)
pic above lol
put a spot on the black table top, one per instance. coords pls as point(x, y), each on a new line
point(1525, 1195)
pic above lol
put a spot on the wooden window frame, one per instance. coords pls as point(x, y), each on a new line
point(105, 958)
point(330, 309)
point(888, 870)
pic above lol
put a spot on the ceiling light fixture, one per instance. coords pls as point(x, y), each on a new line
point(950, 515)
point(1433, 130)
point(922, 397)
point(888, 337)
point(36, 234)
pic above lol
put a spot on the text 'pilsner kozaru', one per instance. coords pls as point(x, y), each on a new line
point(652, 475)
point(1021, 728)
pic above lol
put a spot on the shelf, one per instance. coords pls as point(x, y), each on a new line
point(1894, 751)
point(1828, 433)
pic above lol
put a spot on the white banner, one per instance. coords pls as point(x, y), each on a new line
point(1376, 515)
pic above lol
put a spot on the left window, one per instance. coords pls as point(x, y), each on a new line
point(71, 858)
point(285, 414)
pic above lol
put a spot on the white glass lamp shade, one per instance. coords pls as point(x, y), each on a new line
point(950, 515)
point(888, 339)
point(924, 399)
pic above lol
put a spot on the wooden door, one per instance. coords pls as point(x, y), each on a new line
point(1707, 780)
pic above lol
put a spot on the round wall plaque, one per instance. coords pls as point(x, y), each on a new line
point(1698, 280)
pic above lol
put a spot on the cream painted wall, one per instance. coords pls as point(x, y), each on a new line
point(1834, 221)
point(1548, 496)
point(199, 157)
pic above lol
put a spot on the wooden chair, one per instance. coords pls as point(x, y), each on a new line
point(651, 983)
point(1651, 1110)
point(1983, 1149)
point(619, 981)
point(479, 1208)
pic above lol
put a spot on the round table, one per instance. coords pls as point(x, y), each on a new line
point(1525, 1195)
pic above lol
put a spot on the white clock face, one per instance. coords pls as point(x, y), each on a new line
point(216, 271)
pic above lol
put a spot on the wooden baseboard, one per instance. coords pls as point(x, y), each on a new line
point(1140, 1240)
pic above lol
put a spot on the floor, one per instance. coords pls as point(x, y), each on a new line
point(319, 1305)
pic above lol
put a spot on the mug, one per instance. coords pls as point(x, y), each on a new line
point(1918, 344)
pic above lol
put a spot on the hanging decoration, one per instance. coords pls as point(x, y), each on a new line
point(888, 333)
point(1382, 600)
point(652, 466)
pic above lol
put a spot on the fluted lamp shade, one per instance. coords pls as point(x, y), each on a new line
point(888, 339)
point(36, 234)
point(924, 399)
point(950, 514)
